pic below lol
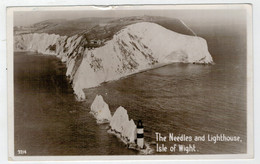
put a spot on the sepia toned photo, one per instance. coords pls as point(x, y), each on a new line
point(120, 81)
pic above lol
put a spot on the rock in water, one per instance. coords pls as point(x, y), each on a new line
point(120, 124)
point(129, 130)
point(100, 110)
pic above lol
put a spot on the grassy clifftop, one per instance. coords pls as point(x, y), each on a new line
point(100, 28)
point(96, 30)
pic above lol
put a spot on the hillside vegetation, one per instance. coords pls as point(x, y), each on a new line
point(98, 30)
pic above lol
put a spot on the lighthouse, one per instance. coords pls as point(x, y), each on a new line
point(140, 134)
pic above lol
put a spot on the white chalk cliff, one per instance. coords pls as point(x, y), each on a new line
point(121, 124)
point(135, 48)
point(100, 110)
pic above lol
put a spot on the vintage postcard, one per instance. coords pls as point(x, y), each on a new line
point(130, 82)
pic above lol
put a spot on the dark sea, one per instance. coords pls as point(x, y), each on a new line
point(183, 99)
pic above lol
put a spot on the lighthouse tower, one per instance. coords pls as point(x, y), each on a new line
point(140, 134)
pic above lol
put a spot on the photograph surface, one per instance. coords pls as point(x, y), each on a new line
point(130, 81)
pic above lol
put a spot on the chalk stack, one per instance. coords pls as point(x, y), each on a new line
point(140, 134)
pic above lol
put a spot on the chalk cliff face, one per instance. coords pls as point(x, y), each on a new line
point(135, 48)
point(121, 124)
point(100, 110)
point(35, 42)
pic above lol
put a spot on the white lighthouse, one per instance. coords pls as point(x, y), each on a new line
point(140, 134)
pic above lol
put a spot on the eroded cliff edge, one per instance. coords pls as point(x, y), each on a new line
point(134, 48)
